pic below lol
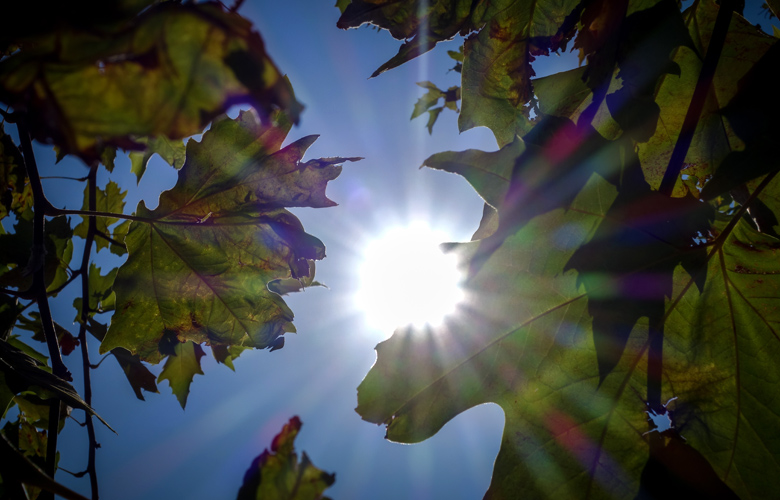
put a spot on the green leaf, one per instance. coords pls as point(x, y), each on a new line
point(17, 469)
point(277, 474)
point(497, 68)
point(101, 293)
point(15, 191)
point(15, 253)
point(186, 63)
point(117, 247)
point(342, 5)
point(180, 368)
point(291, 285)
point(420, 27)
point(536, 338)
point(226, 354)
point(22, 372)
point(427, 100)
point(199, 265)
point(714, 137)
point(110, 200)
point(172, 151)
point(431, 98)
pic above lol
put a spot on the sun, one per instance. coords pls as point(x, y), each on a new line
point(407, 280)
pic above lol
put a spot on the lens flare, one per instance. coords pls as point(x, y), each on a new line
point(407, 280)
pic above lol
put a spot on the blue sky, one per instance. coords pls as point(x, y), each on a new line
point(202, 452)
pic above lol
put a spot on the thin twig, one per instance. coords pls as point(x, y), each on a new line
point(703, 84)
point(110, 239)
point(85, 310)
point(80, 179)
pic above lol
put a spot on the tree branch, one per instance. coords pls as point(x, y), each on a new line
point(37, 260)
point(85, 310)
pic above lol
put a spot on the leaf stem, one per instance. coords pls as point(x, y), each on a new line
point(703, 84)
point(37, 261)
point(86, 365)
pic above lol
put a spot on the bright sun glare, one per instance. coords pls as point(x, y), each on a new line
point(407, 279)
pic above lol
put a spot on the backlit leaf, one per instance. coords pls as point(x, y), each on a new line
point(111, 200)
point(279, 475)
point(180, 368)
point(199, 263)
point(186, 63)
point(497, 70)
point(420, 28)
point(714, 138)
point(172, 151)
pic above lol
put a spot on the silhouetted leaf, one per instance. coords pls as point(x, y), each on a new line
point(186, 63)
point(9, 312)
point(441, 19)
point(199, 264)
point(714, 138)
point(752, 115)
point(23, 372)
point(17, 469)
point(15, 253)
point(137, 374)
point(278, 475)
point(627, 267)
point(15, 192)
point(677, 467)
point(65, 339)
point(226, 354)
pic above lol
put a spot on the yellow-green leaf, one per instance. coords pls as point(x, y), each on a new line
point(200, 263)
point(180, 368)
point(186, 63)
point(279, 475)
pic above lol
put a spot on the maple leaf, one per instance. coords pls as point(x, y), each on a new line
point(526, 342)
point(278, 474)
point(181, 367)
point(200, 262)
point(557, 329)
point(421, 29)
point(82, 84)
point(504, 37)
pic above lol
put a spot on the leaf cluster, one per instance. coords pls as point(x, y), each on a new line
point(206, 269)
point(596, 287)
